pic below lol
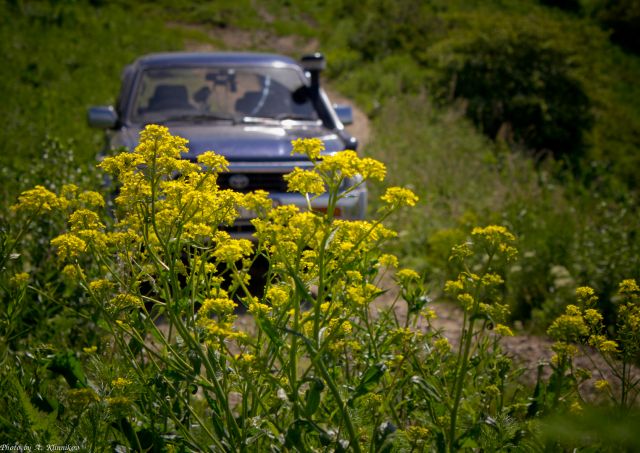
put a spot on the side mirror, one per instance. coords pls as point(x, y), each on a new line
point(345, 113)
point(103, 117)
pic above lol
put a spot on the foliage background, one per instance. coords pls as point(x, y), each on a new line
point(519, 113)
point(516, 112)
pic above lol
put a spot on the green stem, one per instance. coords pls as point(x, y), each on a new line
point(343, 409)
point(293, 358)
point(459, 384)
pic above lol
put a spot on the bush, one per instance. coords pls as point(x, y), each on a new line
point(567, 236)
point(622, 17)
point(516, 84)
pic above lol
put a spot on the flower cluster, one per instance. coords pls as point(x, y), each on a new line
point(584, 323)
point(311, 147)
point(347, 164)
point(305, 181)
point(399, 196)
point(39, 200)
point(496, 239)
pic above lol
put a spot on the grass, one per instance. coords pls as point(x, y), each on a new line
point(62, 58)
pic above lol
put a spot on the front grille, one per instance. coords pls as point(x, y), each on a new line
point(271, 182)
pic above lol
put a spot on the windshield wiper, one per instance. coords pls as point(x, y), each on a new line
point(277, 119)
point(201, 117)
point(294, 116)
point(258, 120)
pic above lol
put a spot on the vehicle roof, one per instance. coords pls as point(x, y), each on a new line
point(214, 58)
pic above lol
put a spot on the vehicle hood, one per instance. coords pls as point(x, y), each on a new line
point(246, 142)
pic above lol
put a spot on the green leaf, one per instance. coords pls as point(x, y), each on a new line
point(312, 396)
point(69, 367)
point(293, 437)
point(369, 380)
point(267, 327)
point(429, 390)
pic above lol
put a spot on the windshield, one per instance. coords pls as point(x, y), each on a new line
point(206, 93)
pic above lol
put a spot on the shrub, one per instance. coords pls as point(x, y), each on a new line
point(622, 17)
point(517, 84)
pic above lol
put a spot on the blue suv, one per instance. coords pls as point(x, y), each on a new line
point(245, 106)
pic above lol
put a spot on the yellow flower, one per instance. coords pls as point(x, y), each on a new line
point(135, 189)
point(156, 143)
point(244, 360)
point(216, 328)
point(607, 347)
point(19, 280)
point(466, 300)
point(37, 200)
point(497, 238)
point(232, 250)
point(68, 246)
point(257, 201)
point(593, 317)
point(121, 383)
point(403, 334)
point(121, 164)
point(405, 275)
point(101, 286)
point(82, 397)
point(90, 349)
point(217, 305)
point(442, 345)
point(399, 196)
point(186, 168)
point(258, 308)
point(563, 351)
point(345, 164)
point(194, 230)
point(213, 161)
point(91, 199)
point(602, 385)
point(356, 295)
point(628, 286)
point(244, 357)
point(277, 296)
point(371, 169)
point(69, 191)
point(72, 273)
point(586, 296)
point(388, 260)
point(575, 408)
point(429, 313)
point(492, 280)
point(119, 405)
point(569, 326)
point(312, 147)
point(125, 301)
point(453, 286)
point(304, 181)
point(417, 434)
point(494, 233)
point(84, 219)
point(503, 330)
